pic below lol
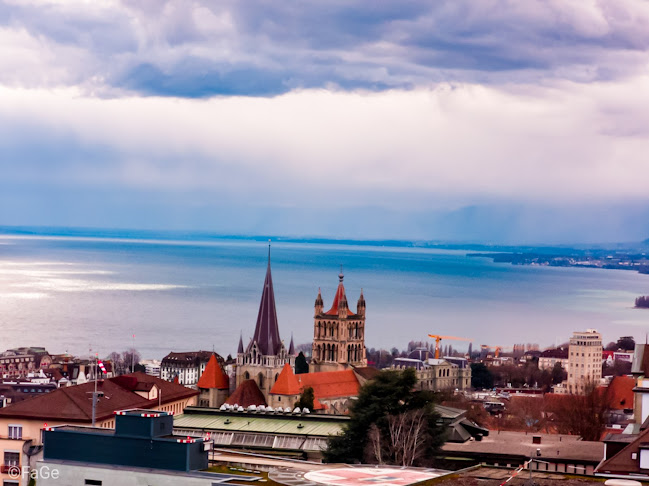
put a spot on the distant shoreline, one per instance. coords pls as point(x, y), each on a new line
point(495, 251)
point(608, 260)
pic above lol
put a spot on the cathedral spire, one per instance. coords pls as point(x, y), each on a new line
point(240, 349)
point(267, 330)
point(291, 347)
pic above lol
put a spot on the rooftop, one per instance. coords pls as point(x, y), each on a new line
point(567, 447)
point(72, 404)
point(218, 420)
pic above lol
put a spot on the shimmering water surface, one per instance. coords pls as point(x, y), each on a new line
point(73, 294)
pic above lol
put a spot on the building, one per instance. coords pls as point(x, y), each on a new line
point(584, 361)
point(550, 357)
point(553, 452)
point(627, 458)
point(151, 367)
point(17, 391)
point(214, 385)
point(339, 333)
point(21, 423)
point(449, 373)
point(259, 429)
point(140, 450)
point(333, 391)
point(187, 367)
point(20, 362)
point(640, 373)
point(265, 356)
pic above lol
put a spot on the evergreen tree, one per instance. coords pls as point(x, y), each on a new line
point(306, 399)
point(470, 352)
point(481, 377)
point(301, 366)
point(388, 398)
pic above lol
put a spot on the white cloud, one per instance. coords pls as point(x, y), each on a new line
point(464, 142)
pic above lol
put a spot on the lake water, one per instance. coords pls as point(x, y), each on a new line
point(77, 294)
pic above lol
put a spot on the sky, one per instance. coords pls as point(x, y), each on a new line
point(461, 120)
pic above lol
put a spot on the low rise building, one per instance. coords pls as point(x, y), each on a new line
point(19, 362)
point(187, 366)
point(448, 373)
point(151, 367)
point(21, 423)
point(139, 450)
point(550, 357)
point(332, 390)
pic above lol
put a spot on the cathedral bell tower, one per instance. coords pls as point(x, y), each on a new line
point(338, 334)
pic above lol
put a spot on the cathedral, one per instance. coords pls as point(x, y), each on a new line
point(339, 333)
point(265, 356)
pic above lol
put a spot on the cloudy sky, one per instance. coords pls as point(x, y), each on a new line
point(481, 120)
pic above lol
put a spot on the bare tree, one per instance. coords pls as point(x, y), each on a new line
point(375, 444)
point(407, 436)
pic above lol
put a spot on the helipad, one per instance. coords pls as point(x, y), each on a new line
point(357, 476)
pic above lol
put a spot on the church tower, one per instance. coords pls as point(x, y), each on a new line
point(266, 354)
point(339, 333)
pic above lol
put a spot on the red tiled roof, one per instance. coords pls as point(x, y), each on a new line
point(325, 384)
point(620, 393)
point(72, 404)
point(213, 376)
point(331, 384)
point(340, 296)
point(287, 383)
point(246, 394)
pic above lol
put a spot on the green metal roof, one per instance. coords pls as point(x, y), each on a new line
point(258, 423)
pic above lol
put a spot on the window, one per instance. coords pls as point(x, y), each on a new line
point(11, 458)
point(15, 431)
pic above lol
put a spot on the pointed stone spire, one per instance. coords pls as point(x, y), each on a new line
point(291, 347)
point(240, 349)
point(339, 306)
point(360, 306)
point(319, 303)
point(267, 330)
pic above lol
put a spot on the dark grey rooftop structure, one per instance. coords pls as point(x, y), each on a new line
point(141, 438)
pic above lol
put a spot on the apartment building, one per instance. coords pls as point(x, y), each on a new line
point(584, 361)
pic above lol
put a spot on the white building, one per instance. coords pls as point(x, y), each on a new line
point(187, 367)
point(584, 361)
point(151, 367)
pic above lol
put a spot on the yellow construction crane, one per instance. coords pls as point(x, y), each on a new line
point(438, 338)
point(497, 349)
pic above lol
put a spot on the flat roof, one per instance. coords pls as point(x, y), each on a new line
point(562, 447)
point(268, 424)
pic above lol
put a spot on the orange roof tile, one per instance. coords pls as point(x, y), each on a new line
point(330, 384)
point(620, 392)
point(246, 394)
point(325, 384)
point(340, 295)
point(213, 376)
point(286, 383)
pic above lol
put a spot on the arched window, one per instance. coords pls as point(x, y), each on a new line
point(260, 380)
point(246, 375)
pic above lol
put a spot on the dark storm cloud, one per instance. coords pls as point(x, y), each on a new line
point(199, 49)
